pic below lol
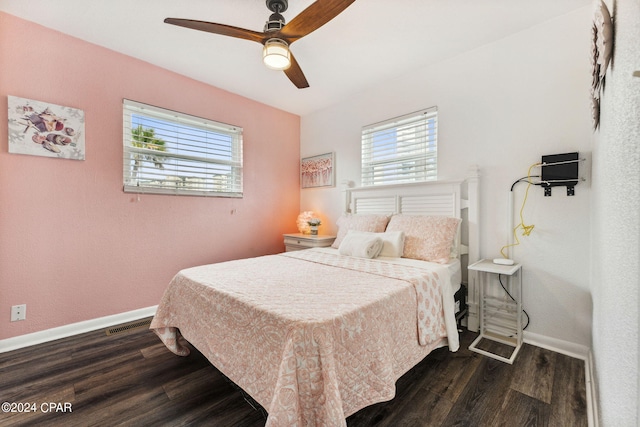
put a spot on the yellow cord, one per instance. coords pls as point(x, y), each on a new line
point(526, 229)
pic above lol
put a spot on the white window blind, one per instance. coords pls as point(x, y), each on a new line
point(166, 152)
point(400, 150)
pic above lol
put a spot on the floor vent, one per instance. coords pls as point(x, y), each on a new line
point(126, 327)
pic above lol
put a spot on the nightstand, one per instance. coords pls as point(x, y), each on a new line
point(500, 314)
point(298, 241)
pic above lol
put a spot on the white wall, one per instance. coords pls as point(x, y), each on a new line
point(501, 107)
point(616, 226)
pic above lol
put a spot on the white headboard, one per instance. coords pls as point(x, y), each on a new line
point(458, 199)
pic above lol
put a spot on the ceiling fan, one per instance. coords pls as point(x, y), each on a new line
point(277, 37)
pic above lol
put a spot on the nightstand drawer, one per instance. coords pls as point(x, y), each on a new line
point(296, 242)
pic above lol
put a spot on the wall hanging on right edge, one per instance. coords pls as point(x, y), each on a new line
point(601, 51)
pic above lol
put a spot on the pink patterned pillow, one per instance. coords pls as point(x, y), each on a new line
point(359, 222)
point(428, 238)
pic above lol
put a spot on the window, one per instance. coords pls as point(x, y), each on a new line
point(166, 152)
point(401, 150)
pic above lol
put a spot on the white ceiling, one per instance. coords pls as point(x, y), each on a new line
point(371, 42)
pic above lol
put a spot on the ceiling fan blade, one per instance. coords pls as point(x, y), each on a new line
point(312, 18)
point(211, 27)
point(295, 74)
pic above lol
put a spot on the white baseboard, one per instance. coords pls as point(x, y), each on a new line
point(74, 329)
point(577, 351)
point(559, 346)
point(592, 396)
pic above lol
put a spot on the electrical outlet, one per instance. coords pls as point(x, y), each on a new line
point(18, 312)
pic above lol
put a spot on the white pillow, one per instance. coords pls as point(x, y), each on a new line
point(392, 241)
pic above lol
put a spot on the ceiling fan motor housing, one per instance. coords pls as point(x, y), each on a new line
point(276, 20)
point(275, 23)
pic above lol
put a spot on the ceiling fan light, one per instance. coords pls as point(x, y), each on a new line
point(275, 54)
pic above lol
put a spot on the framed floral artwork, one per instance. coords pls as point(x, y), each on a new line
point(44, 129)
point(318, 171)
point(601, 52)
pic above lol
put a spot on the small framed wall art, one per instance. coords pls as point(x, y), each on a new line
point(44, 129)
point(318, 171)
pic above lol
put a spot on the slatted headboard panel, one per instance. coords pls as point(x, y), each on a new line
point(433, 205)
point(457, 199)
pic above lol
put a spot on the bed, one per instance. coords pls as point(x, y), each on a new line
point(316, 335)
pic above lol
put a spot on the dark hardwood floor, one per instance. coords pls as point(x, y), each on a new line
point(131, 379)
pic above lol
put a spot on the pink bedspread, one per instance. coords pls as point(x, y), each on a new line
point(311, 336)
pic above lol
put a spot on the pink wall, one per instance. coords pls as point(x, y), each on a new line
point(73, 245)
